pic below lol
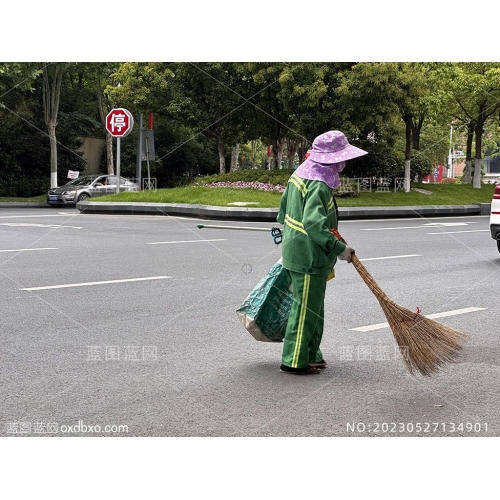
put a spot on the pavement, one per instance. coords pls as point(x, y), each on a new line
point(251, 214)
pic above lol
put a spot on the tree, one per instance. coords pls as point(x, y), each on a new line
point(372, 94)
point(475, 88)
point(52, 81)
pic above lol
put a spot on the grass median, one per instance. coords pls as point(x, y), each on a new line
point(441, 194)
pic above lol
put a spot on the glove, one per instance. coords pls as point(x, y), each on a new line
point(347, 254)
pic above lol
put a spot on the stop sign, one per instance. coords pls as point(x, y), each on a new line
point(119, 122)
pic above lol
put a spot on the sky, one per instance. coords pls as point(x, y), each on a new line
point(258, 31)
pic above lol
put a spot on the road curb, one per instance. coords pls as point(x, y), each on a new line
point(269, 214)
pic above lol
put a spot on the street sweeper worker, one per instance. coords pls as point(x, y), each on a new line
point(308, 212)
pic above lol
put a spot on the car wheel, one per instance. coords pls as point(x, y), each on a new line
point(498, 245)
point(83, 197)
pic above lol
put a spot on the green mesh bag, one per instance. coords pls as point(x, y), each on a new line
point(264, 313)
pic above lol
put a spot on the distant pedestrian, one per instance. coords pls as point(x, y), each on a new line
point(308, 212)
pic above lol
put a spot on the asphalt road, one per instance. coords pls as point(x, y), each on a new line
point(129, 322)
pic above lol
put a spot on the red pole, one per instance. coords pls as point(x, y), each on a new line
point(150, 121)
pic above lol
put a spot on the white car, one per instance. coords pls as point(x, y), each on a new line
point(495, 216)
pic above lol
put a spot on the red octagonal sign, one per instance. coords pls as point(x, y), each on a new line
point(119, 122)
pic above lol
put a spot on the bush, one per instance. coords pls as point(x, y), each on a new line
point(375, 164)
point(449, 180)
point(421, 166)
point(273, 177)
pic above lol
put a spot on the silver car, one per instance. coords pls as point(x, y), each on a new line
point(88, 186)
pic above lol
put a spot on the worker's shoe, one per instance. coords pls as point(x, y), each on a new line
point(307, 370)
point(320, 364)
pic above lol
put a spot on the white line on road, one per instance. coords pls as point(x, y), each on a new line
point(22, 224)
point(448, 224)
point(390, 228)
point(187, 241)
point(391, 257)
point(457, 232)
point(70, 285)
point(28, 249)
point(456, 312)
point(33, 216)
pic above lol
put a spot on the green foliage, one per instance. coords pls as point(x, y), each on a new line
point(421, 166)
point(375, 164)
point(273, 177)
point(200, 106)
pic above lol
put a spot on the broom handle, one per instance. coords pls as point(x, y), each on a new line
point(240, 228)
point(367, 277)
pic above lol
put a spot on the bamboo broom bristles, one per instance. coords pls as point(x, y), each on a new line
point(425, 344)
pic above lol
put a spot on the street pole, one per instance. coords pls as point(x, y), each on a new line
point(118, 165)
point(138, 166)
point(147, 160)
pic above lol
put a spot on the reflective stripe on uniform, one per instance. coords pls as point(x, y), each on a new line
point(295, 224)
point(302, 319)
point(298, 183)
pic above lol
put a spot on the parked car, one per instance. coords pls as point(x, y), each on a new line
point(495, 216)
point(88, 186)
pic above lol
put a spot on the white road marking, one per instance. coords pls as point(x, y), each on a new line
point(448, 224)
point(444, 314)
point(28, 249)
point(390, 228)
point(422, 226)
point(60, 214)
point(391, 257)
point(70, 285)
point(186, 241)
point(52, 226)
point(408, 219)
point(457, 232)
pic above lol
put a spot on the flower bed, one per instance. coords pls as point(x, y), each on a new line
point(259, 186)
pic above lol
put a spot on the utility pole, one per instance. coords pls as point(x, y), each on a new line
point(138, 165)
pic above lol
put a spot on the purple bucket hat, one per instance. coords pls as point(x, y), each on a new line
point(333, 147)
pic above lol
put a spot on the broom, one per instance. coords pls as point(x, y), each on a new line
point(425, 344)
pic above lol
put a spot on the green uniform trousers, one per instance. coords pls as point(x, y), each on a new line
point(304, 329)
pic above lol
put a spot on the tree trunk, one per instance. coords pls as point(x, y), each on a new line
point(53, 154)
point(291, 150)
point(274, 155)
point(109, 139)
point(222, 158)
point(476, 184)
point(278, 153)
point(235, 151)
point(467, 178)
point(416, 128)
point(51, 95)
point(407, 179)
point(109, 154)
point(253, 152)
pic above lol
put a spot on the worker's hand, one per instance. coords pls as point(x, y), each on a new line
point(347, 254)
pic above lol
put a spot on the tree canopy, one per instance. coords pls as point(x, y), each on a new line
point(211, 117)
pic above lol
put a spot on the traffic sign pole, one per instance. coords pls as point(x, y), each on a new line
point(118, 165)
point(119, 123)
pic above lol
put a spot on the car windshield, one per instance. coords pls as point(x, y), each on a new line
point(81, 181)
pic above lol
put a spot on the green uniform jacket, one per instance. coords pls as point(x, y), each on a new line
point(307, 212)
